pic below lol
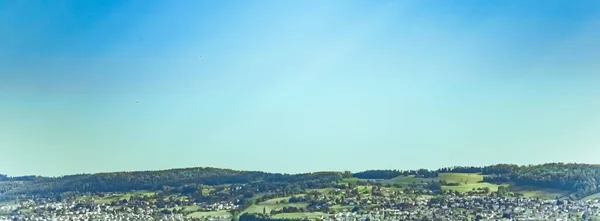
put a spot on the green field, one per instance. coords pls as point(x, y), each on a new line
point(592, 197)
point(340, 208)
point(322, 191)
point(127, 196)
point(299, 215)
point(186, 209)
point(273, 205)
point(461, 178)
point(256, 196)
point(364, 189)
point(532, 192)
point(393, 189)
point(352, 180)
point(468, 187)
point(209, 214)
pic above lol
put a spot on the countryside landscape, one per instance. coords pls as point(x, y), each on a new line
point(553, 191)
point(312, 110)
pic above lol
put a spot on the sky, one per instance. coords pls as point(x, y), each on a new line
point(296, 86)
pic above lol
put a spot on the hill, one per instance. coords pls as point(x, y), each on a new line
point(178, 179)
point(575, 180)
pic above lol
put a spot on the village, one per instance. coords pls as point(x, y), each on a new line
point(322, 206)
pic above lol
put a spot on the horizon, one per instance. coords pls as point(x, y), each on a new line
point(296, 86)
point(275, 172)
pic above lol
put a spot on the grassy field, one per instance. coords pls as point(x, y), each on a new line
point(209, 214)
point(322, 191)
point(540, 194)
point(299, 215)
point(256, 196)
point(273, 205)
point(186, 209)
point(532, 192)
point(461, 178)
point(127, 196)
point(468, 187)
point(364, 189)
point(393, 189)
point(592, 197)
point(352, 180)
point(340, 208)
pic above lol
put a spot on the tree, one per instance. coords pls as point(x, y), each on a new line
point(434, 186)
point(502, 191)
point(486, 190)
point(347, 174)
point(248, 194)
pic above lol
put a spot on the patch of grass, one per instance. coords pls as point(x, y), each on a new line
point(468, 187)
point(122, 196)
point(461, 178)
point(340, 208)
point(592, 197)
point(322, 191)
point(392, 189)
point(352, 180)
point(365, 189)
point(209, 214)
point(191, 209)
point(206, 190)
point(26, 211)
point(541, 193)
point(299, 215)
point(273, 204)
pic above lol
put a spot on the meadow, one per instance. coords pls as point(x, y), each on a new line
point(273, 204)
point(208, 214)
point(313, 215)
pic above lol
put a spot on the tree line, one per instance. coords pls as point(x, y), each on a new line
point(389, 174)
point(181, 180)
point(579, 179)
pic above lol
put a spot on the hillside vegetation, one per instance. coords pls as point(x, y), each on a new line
point(577, 180)
point(179, 179)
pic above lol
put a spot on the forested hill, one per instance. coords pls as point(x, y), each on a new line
point(156, 180)
point(579, 179)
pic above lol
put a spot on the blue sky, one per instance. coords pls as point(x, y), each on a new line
point(296, 86)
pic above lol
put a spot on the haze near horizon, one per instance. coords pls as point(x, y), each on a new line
point(296, 86)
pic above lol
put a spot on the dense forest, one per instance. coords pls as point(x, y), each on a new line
point(157, 180)
point(579, 179)
point(389, 174)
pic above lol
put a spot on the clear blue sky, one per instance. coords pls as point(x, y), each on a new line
point(296, 86)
